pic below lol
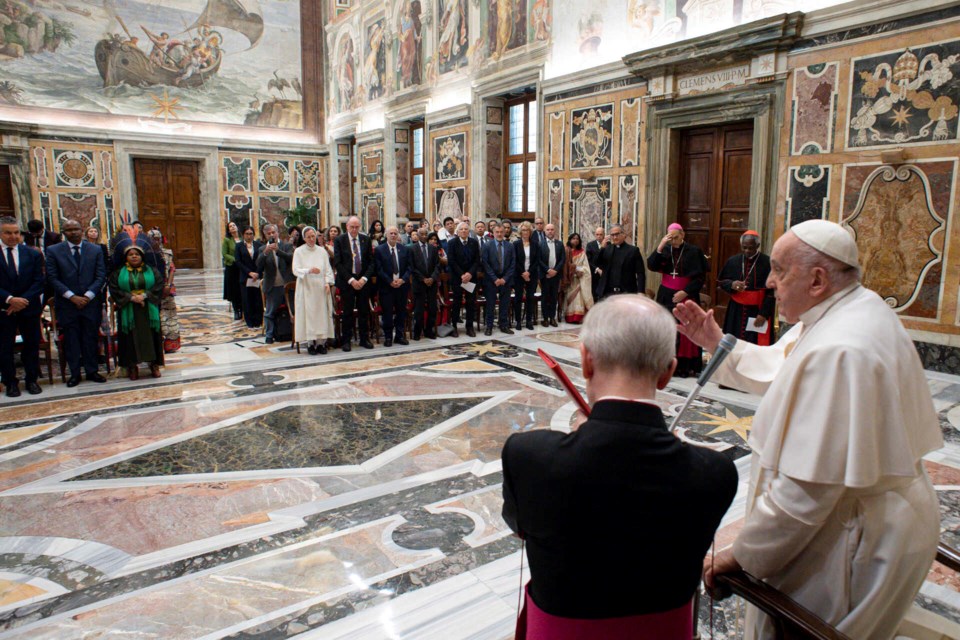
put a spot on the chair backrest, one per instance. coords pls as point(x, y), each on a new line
point(289, 294)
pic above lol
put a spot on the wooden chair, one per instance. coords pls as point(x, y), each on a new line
point(289, 296)
point(46, 346)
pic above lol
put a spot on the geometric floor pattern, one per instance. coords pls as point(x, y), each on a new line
point(253, 492)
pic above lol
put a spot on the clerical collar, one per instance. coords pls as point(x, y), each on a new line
point(622, 399)
point(812, 315)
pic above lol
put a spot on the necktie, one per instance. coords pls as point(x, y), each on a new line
point(423, 250)
point(11, 265)
point(76, 257)
point(500, 254)
point(396, 263)
point(356, 256)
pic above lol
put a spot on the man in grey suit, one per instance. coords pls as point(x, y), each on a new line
point(76, 270)
point(275, 264)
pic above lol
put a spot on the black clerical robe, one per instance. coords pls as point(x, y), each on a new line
point(684, 268)
point(622, 270)
point(755, 300)
point(617, 515)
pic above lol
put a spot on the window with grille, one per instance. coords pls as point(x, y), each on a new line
point(416, 171)
point(521, 158)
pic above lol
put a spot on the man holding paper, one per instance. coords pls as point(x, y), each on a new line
point(751, 307)
point(463, 255)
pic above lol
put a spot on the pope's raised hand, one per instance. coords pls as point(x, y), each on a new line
point(698, 325)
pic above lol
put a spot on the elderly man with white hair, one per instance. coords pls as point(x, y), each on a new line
point(841, 515)
point(564, 493)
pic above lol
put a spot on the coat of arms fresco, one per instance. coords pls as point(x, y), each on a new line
point(591, 137)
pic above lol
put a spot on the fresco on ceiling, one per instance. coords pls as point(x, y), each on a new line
point(166, 62)
point(344, 74)
point(375, 60)
point(506, 26)
point(453, 34)
point(409, 52)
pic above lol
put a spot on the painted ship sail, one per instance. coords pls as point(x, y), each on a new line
point(242, 16)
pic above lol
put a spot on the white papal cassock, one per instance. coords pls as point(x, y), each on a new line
point(313, 319)
point(842, 516)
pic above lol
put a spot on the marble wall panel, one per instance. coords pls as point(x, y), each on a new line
point(80, 207)
point(899, 218)
point(906, 96)
point(402, 158)
point(273, 211)
point(590, 205)
point(629, 197)
point(344, 181)
point(494, 172)
point(808, 196)
point(814, 108)
point(371, 168)
point(555, 203)
point(630, 132)
point(556, 124)
point(449, 202)
point(273, 174)
point(591, 137)
point(238, 209)
point(372, 208)
point(236, 173)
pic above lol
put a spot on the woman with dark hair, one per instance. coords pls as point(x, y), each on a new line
point(576, 283)
point(328, 238)
point(293, 236)
point(136, 289)
point(248, 277)
point(376, 233)
point(231, 273)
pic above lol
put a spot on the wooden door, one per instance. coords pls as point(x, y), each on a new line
point(716, 165)
point(6, 192)
point(168, 197)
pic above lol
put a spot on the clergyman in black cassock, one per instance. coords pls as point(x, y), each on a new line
point(621, 266)
point(744, 277)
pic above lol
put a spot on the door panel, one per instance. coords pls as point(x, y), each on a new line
point(168, 195)
point(6, 192)
point(716, 165)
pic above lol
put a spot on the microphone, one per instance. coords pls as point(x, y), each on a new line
point(726, 345)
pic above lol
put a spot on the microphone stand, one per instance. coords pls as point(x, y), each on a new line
point(724, 347)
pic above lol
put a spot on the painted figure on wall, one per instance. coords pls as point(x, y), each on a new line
point(540, 20)
point(345, 75)
point(454, 35)
point(507, 26)
point(410, 45)
point(171, 63)
point(375, 65)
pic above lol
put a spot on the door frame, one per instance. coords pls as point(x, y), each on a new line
point(211, 232)
point(762, 103)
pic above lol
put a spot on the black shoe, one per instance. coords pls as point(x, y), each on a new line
point(401, 340)
point(416, 335)
point(346, 345)
point(553, 322)
point(312, 349)
point(471, 333)
point(454, 333)
point(95, 377)
point(322, 349)
point(366, 344)
point(388, 342)
point(238, 315)
point(530, 325)
point(507, 330)
point(270, 340)
point(488, 331)
point(519, 326)
point(430, 335)
point(545, 322)
point(73, 381)
point(33, 388)
point(13, 390)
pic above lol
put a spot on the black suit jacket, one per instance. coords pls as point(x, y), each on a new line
point(633, 273)
point(424, 269)
point(384, 264)
point(267, 268)
point(619, 497)
point(490, 260)
point(343, 259)
point(593, 254)
point(63, 276)
point(28, 283)
point(560, 256)
point(535, 261)
point(50, 238)
point(463, 259)
point(246, 263)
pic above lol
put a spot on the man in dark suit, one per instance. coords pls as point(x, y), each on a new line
point(621, 267)
point(527, 275)
point(538, 233)
point(594, 247)
point(498, 273)
point(21, 285)
point(39, 238)
point(353, 262)
point(392, 260)
point(552, 256)
point(425, 259)
point(463, 259)
point(562, 489)
point(275, 265)
point(75, 269)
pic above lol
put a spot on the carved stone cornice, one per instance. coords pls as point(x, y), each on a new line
point(718, 49)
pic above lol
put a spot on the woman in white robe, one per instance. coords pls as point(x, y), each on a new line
point(314, 305)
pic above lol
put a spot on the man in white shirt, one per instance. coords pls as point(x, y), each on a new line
point(841, 515)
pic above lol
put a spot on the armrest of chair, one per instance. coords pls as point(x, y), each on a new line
point(794, 620)
point(948, 556)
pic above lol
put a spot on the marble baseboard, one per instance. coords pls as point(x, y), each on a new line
point(939, 357)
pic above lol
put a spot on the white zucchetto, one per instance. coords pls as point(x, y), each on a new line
point(829, 238)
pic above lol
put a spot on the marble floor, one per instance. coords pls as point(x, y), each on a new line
point(252, 492)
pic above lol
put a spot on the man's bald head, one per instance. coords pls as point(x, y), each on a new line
point(630, 334)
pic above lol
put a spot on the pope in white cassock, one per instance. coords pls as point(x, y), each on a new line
point(313, 320)
point(841, 515)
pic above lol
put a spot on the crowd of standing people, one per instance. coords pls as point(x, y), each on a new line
point(82, 280)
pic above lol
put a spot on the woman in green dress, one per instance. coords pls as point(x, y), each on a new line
point(136, 289)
